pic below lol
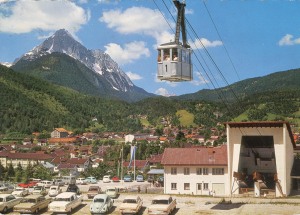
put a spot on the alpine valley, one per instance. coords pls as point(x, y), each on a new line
point(60, 83)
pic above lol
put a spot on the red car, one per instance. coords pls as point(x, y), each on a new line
point(115, 179)
point(27, 185)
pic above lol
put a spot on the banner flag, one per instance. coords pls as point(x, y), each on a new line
point(132, 155)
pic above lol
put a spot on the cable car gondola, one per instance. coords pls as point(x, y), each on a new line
point(174, 58)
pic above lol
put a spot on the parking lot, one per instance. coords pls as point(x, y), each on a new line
point(191, 204)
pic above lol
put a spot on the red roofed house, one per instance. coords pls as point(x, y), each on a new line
point(196, 171)
point(23, 158)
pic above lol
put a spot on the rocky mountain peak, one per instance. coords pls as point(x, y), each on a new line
point(96, 60)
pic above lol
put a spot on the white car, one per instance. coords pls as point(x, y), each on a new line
point(54, 191)
point(131, 205)
point(65, 203)
point(106, 179)
point(45, 183)
point(20, 192)
point(8, 201)
point(101, 204)
point(112, 192)
point(80, 181)
point(163, 204)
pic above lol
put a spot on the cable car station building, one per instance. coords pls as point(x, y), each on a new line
point(257, 161)
point(260, 158)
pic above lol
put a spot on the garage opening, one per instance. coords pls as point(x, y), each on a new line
point(257, 163)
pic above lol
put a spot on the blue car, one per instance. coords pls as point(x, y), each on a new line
point(139, 178)
point(127, 178)
point(90, 180)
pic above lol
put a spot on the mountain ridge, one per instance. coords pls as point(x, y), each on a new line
point(104, 68)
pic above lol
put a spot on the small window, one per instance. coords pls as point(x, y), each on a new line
point(159, 56)
point(174, 54)
point(173, 171)
point(166, 54)
point(199, 171)
point(186, 171)
point(186, 186)
point(205, 186)
point(205, 171)
point(173, 186)
point(218, 171)
point(199, 186)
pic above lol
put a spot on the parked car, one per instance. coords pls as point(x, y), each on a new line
point(27, 185)
point(80, 181)
point(58, 182)
point(20, 192)
point(54, 190)
point(40, 190)
point(163, 204)
point(32, 204)
point(7, 202)
point(69, 179)
point(93, 191)
point(45, 183)
point(112, 192)
point(106, 179)
point(90, 180)
point(115, 179)
point(131, 205)
point(73, 188)
point(139, 178)
point(127, 178)
point(102, 203)
point(5, 190)
point(65, 203)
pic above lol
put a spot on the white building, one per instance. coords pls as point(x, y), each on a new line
point(260, 158)
point(197, 171)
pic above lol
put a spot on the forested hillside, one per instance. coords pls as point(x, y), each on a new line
point(30, 104)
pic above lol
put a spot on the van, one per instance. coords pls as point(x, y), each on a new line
point(45, 183)
point(69, 179)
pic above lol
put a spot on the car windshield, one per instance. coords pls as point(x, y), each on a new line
point(129, 201)
point(37, 188)
point(93, 189)
point(53, 188)
point(19, 189)
point(111, 190)
point(62, 199)
point(99, 200)
point(163, 202)
point(28, 201)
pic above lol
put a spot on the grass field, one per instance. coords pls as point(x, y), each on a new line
point(185, 118)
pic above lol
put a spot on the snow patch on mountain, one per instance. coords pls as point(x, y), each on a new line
point(98, 61)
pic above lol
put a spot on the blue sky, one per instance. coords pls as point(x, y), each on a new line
point(244, 38)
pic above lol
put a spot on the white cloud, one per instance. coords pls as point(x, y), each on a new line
point(139, 20)
point(199, 79)
point(162, 92)
point(288, 40)
point(197, 44)
point(26, 16)
point(128, 53)
point(133, 76)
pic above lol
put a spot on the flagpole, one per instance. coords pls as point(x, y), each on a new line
point(122, 166)
point(134, 163)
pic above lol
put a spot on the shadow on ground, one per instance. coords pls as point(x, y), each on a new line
point(227, 206)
